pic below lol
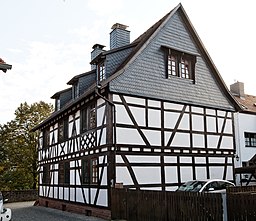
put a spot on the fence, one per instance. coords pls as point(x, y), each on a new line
point(136, 205)
point(241, 203)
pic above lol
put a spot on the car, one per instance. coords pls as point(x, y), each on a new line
point(212, 186)
point(5, 213)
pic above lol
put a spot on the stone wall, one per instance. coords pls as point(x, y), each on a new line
point(20, 195)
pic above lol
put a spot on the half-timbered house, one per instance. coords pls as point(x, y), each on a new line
point(151, 114)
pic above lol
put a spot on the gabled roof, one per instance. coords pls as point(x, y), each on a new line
point(57, 94)
point(76, 78)
point(146, 37)
point(3, 66)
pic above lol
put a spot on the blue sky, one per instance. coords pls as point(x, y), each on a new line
point(49, 41)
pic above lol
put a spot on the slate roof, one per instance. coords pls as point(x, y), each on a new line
point(206, 94)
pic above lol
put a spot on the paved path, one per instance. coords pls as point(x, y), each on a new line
point(25, 211)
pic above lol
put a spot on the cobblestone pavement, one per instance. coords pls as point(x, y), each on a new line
point(25, 211)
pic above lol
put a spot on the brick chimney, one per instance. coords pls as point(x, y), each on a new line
point(237, 89)
point(97, 49)
point(119, 36)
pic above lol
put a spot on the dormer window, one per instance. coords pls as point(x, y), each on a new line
point(101, 71)
point(75, 90)
point(180, 64)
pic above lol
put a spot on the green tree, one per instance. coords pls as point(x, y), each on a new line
point(18, 146)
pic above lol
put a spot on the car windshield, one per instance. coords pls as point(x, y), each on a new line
point(192, 186)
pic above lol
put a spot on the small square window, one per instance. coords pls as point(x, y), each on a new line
point(180, 64)
point(250, 139)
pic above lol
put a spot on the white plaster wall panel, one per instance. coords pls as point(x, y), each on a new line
point(100, 116)
point(197, 110)
point(171, 188)
point(50, 192)
point(172, 106)
point(152, 103)
point(122, 116)
point(78, 181)
point(147, 175)
point(116, 98)
point(154, 137)
point(134, 100)
point(101, 140)
point(66, 193)
point(139, 115)
point(198, 140)
point(221, 113)
point(72, 164)
point(60, 192)
point(154, 118)
point(72, 177)
point(227, 142)
point(171, 174)
point(197, 123)
point(100, 101)
point(184, 123)
point(79, 195)
point(228, 126)
point(216, 172)
point(181, 140)
point(123, 176)
point(220, 160)
point(129, 136)
point(211, 112)
point(199, 160)
point(119, 159)
point(55, 196)
point(103, 198)
point(186, 173)
point(143, 159)
point(77, 126)
point(220, 124)
point(170, 119)
point(185, 159)
point(201, 173)
point(41, 191)
point(229, 173)
point(170, 159)
point(211, 124)
point(55, 177)
point(93, 194)
point(72, 194)
point(212, 141)
point(104, 177)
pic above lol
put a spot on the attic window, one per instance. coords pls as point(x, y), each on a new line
point(101, 71)
point(180, 64)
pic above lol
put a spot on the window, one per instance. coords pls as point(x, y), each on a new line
point(180, 64)
point(88, 118)
point(63, 130)
point(250, 139)
point(46, 137)
point(46, 174)
point(75, 90)
point(90, 171)
point(101, 71)
point(64, 173)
